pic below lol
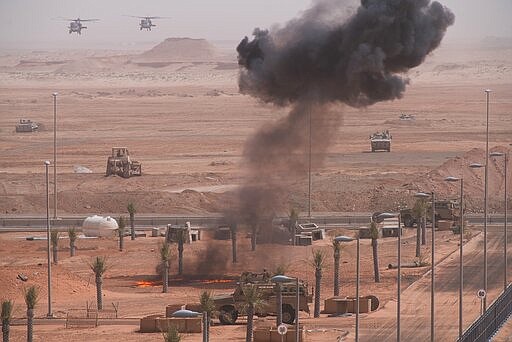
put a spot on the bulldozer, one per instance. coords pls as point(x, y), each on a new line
point(120, 164)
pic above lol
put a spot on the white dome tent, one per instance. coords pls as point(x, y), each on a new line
point(99, 226)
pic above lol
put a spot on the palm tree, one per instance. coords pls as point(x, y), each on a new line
point(208, 306)
point(172, 334)
point(31, 297)
point(181, 236)
point(54, 237)
point(6, 319)
point(99, 266)
point(132, 210)
point(254, 233)
point(374, 234)
point(165, 252)
point(72, 234)
point(120, 231)
point(418, 212)
point(336, 248)
point(253, 302)
point(294, 218)
point(318, 264)
point(233, 229)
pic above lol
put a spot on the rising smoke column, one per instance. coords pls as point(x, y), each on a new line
point(320, 58)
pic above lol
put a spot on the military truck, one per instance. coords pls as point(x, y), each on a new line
point(381, 141)
point(120, 164)
point(447, 209)
point(230, 306)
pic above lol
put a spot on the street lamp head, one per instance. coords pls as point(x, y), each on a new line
point(55, 94)
point(452, 179)
point(421, 195)
point(475, 165)
point(386, 216)
point(496, 154)
point(46, 162)
point(343, 238)
point(281, 279)
point(488, 91)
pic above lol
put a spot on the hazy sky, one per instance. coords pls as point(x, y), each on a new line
point(30, 23)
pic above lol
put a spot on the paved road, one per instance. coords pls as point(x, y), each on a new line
point(38, 223)
point(415, 300)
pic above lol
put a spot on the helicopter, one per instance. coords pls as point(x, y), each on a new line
point(75, 25)
point(145, 22)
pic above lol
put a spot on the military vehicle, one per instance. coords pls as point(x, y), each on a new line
point(445, 210)
point(381, 141)
point(120, 164)
point(231, 306)
point(26, 125)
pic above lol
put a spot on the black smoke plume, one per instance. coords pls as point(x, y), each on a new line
point(322, 58)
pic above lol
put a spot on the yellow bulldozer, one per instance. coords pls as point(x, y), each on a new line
point(120, 164)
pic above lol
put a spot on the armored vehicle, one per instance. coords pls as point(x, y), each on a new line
point(120, 164)
point(231, 306)
point(25, 125)
point(448, 209)
point(381, 141)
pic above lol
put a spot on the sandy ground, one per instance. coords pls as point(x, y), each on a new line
point(187, 124)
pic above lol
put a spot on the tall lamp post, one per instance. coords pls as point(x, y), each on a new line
point(424, 195)
point(49, 314)
point(279, 279)
point(461, 232)
point(487, 94)
point(54, 155)
point(399, 267)
point(309, 166)
point(505, 281)
point(348, 239)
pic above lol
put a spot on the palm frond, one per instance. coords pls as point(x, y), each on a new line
point(72, 234)
point(336, 246)
point(7, 306)
point(121, 225)
point(206, 301)
point(165, 251)
point(131, 208)
point(374, 231)
point(54, 237)
point(252, 296)
point(172, 334)
point(31, 297)
point(99, 266)
point(318, 260)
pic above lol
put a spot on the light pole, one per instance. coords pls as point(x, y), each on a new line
point(348, 239)
point(54, 155)
point(49, 314)
point(309, 167)
point(461, 232)
point(505, 281)
point(279, 279)
point(399, 267)
point(432, 287)
point(487, 94)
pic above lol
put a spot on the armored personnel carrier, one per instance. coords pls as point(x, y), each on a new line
point(381, 141)
point(26, 125)
point(231, 306)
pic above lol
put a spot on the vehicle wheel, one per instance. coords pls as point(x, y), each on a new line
point(408, 221)
point(228, 315)
point(288, 314)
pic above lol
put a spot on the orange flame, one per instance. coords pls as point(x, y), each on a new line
point(216, 281)
point(144, 283)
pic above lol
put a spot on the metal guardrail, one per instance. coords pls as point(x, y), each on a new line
point(484, 328)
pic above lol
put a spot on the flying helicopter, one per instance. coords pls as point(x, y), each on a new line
point(75, 25)
point(145, 22)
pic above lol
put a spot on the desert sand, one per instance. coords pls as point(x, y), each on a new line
point(178, 110)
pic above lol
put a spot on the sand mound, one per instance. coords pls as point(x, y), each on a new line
point(181, 49)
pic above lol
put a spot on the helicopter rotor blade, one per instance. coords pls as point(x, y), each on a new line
point(89, 19)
